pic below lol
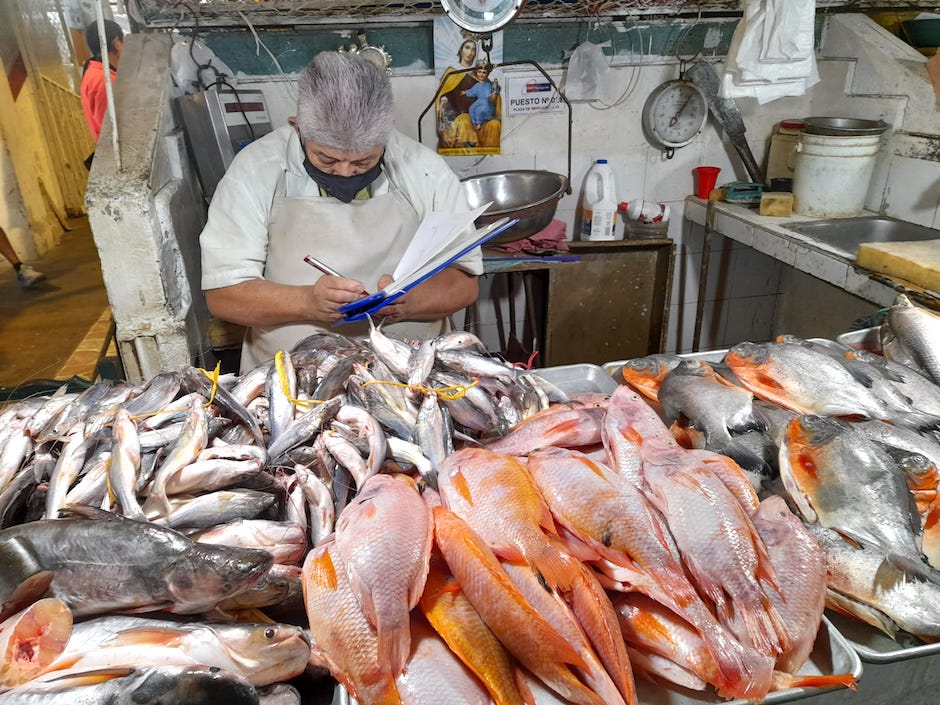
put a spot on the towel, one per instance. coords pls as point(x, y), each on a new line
point(546, 241)
point(772, 53)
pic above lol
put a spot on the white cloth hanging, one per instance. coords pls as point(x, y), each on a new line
point(772, 53)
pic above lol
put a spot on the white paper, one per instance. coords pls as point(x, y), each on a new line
point(438, 233)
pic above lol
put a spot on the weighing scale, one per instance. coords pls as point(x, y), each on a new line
point(674, 114)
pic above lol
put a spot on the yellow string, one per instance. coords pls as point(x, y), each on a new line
point(285, 383)
point(452, 393)
point(214, 376)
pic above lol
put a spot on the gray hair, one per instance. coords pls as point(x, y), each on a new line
point(344, 101)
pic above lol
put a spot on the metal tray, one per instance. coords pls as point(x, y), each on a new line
point(831, 655)
point(874, 646)
point(579, 379)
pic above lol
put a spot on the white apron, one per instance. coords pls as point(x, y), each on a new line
point(362, 240)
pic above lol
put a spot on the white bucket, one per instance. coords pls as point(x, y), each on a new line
point(832, 174)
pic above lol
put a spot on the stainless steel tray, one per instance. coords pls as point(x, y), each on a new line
point(579, 379)
point(874, 646)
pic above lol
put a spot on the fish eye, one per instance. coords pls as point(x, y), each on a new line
point(270, 633)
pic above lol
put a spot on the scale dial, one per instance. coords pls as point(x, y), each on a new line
point(674, 113)
point(482, 16)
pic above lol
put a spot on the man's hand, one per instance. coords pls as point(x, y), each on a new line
point(329, 293)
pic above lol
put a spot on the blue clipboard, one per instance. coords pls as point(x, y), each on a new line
point(364, 307)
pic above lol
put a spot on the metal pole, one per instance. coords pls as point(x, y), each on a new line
point(703, 275)
point(108, 89)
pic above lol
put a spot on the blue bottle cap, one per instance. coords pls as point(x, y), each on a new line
point(601, 161)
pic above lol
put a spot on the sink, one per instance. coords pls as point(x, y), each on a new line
point(843, 235)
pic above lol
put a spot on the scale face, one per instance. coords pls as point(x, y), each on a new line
point(674, 113)
point(482, 16)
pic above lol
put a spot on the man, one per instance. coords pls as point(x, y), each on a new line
point(340, 184)
point(94, 93)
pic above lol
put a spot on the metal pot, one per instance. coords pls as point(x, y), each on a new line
point(528, 194)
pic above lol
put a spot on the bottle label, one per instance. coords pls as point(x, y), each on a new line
point(599, 225)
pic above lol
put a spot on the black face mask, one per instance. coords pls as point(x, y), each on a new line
point(344, 188)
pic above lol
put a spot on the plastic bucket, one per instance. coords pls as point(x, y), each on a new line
point(832, 174)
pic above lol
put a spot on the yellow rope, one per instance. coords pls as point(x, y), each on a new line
point(285, 383)
point(214, 376)
point(452, 393)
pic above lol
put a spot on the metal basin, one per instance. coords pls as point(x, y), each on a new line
point(844, 235)
point(530, 195)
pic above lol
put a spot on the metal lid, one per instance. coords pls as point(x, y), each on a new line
point(844, 127)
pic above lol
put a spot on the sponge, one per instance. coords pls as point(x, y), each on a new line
point(776, 203)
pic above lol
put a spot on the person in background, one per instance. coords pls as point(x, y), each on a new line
point(25, 275)
point(340, 184)
point(94, 93)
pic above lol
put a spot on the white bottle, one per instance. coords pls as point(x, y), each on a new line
point(599, 204)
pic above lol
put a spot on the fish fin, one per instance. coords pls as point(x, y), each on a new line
point(152, 607)
point(911, 567)
point(155, 636)
point(94, 677)
point(859, 376)
point(783, 681)
point(522, 684)
point(81, 511)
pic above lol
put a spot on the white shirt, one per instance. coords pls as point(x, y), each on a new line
point(234, 241)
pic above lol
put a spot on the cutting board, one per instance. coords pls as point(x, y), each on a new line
point(917, 262)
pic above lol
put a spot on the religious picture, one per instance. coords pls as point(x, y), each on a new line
point(468, 103)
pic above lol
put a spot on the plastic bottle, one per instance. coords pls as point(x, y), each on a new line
point(599, 204)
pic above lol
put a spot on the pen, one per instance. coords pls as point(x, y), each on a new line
point(317, 264)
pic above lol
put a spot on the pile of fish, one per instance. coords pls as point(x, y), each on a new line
point(426, 523)
point(851, 440)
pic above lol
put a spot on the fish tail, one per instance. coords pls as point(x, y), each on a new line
point(765, 628)
point(394, 646)
point(782, 681)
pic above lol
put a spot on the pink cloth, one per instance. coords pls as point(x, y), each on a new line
point(550, 239)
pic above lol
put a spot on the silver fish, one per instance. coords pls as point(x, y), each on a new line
point(193, 685)
point(125, 465)
point(281, 389)
point(157, 568)
point(918, 331)
point(213, 508)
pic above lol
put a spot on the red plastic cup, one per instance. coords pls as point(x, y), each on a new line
point(705, 179)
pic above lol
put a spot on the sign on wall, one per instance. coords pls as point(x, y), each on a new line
point(532, 94)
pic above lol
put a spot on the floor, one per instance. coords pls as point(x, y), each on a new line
point(59, 329)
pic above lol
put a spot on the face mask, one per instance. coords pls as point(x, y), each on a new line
point(344, 188)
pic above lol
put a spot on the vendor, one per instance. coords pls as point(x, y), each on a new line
point(339, 184)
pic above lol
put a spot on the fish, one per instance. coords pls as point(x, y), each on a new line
point(217, 474)
point(921, 391)
point(262, 654)
point(125, 465)
point(285, 541)
point(157, 568)
point(719, 546)
point(303, 428)
point(280, 388)
point(803, 380)
point(917, 329)
point(629, 425)
point(192, 440)
point(617, 520)
point(837, 478)
point(433, 432)
point(193, 685)
point(67, 468)
point(205, 510)
point(505, 610)
point(32, 639)
point(692, 391)
point(646, 374)
point(569, 425)
point(864, 584)
point(930, 536)
point(456, 620)
point(497, 496)
point(384, 539)
point(342, 636)
point(155, 394)
point(800, 574)
point(434, 674)
point(192, 379)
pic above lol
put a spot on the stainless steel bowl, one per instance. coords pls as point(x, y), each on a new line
point(844, 127)
point(527, 194)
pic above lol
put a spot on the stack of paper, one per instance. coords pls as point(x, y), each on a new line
point(440, 240)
